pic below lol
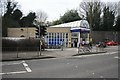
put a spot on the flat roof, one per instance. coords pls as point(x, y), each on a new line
point(79, 23)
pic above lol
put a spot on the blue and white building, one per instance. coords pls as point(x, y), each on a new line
point(69, 34)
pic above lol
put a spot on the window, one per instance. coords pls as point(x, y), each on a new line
point(66, 35)
point(60, 35)
point(57, 35)
point(49, 35)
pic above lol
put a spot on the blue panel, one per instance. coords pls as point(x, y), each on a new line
point(58, 42)
point(75, 30)
point(78, 30)
point(52, 42)
point(55, 39)
point(49, 42)
point(60, 39)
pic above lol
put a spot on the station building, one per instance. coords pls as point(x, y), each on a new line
point(70, 34)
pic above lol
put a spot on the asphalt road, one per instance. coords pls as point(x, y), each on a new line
point(90, 66)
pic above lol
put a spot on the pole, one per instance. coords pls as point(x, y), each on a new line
point(40, 48)
point(40, 42)
point(17, 52)
point(62, 46)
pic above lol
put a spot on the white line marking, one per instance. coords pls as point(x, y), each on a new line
point(25, 64)
point(68, 63)
point(76, 66)
point(18, 72)
point(12, 63)
point(101, 76)
point(117, 57)
point(27, 67)
point(2, 73)
point(23, 61)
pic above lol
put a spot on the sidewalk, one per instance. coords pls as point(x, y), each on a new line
point(48, 53)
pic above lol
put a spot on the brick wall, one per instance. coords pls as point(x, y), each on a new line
point(18, 32)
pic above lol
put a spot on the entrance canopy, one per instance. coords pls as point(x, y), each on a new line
point(78, 29)
point(82, 26)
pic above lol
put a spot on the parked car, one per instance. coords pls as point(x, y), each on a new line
point(101, 44)
point(111, 43)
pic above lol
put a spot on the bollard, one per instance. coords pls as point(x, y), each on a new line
point(102, 48)
point(78, 50)
point(38, 51)
point(96, 48)
point(17, 53)
point(62, 48)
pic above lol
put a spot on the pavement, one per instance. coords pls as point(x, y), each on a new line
point(48, 53)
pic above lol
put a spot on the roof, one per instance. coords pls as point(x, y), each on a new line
point(78, 24)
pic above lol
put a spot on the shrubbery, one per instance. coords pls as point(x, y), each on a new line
point(14, 44)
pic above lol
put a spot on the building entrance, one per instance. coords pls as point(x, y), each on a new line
point(74, 42)
point(74, 39)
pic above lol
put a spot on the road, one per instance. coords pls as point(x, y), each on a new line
point(91, 66)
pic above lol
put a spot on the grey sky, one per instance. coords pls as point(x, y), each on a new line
point(54, 8)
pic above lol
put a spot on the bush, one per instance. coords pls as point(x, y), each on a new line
point(14, 44)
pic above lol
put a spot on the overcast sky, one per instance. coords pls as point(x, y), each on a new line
point(53, 8)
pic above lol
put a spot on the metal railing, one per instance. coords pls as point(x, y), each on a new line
point(54, 46)
point(88, 49)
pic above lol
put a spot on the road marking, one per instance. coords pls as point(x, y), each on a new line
point(101, 76)
point(76, 66)
point(117, 57)
point(18, 72)
point(27, 67)
point(93, 73)
point(12, 63)
point(68, 63)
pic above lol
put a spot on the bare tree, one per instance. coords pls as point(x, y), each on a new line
point(41, 16)
point(2, 6)
point(119, 8)
point(113, 6)
point(91, 10)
